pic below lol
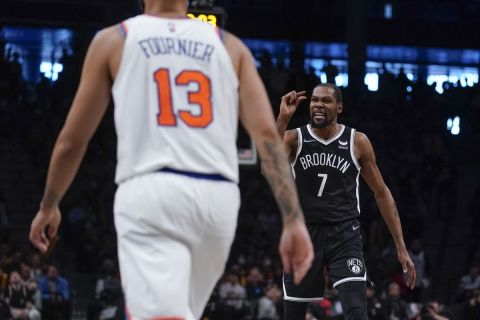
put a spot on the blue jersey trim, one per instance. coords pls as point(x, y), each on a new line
point(123, 29)
point(220, 34)
point(195, 175)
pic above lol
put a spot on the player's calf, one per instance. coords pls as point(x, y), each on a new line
point(353, 297)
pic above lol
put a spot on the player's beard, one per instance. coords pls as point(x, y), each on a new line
point(320, 125)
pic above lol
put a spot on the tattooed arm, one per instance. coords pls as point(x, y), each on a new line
point(257, 117)
point(372, 176)
point(276, 169)
point(88, 107)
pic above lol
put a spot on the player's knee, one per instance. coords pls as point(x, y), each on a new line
point(353, 297)
point(293, 310)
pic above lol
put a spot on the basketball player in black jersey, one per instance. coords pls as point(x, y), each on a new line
point(327, 159)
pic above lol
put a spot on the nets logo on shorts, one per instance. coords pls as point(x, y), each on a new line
point(355, 265)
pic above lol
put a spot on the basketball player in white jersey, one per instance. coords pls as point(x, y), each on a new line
point(179, 86)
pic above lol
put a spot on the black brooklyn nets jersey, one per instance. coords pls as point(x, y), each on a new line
point(326, 173)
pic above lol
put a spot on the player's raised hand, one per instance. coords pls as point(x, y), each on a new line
point(296, 249)
point(290, 102)
point(39, 235)
point(408, 268)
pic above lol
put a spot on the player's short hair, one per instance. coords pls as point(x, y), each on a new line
point(141, 4)
point(337, 92)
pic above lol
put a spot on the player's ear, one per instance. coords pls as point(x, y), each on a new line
point(340, 107)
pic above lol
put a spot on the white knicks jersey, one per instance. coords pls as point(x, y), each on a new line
point(176, 100)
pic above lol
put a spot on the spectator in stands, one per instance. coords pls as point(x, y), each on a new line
point(36, 271)
point(4, 71)
point(331, 71)
point(433, 311)
point(3, 280)
point(19, 299)
point(108, 290)
point(329, 307)
point(4, 221)
point(4, 309)
point(266, 70)
point(310, 316)
point(419, 258)
point(108, 278)
point(55, 295)
point(394, 308)
point(374, 305)
point(7, 256)
point(254, 283)
point(278, 81)
point(16, 262)
point(402, 82)
point(267, 305)
point(471, 309)
point(233, 297)
point(469, 283)
point(30, 283)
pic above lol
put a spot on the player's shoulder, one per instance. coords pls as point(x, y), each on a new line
point(291, 134)
point(232, 39)
point(109, 36)
point(363, 146)
point(361, 138)
point(360, 134)
point(234, 44)
point(238, 51)
point(290, 139)
point(106, 46)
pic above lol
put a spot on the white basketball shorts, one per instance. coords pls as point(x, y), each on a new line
point(174, 236)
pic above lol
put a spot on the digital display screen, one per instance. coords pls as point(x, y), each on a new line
point(216, 16)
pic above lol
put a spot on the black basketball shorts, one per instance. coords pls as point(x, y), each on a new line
point(338, 248)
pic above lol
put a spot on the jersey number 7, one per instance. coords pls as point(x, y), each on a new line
point(201, 97)
point(324, 177)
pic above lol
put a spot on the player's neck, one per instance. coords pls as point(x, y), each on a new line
point(329, 131)
point(166, 9)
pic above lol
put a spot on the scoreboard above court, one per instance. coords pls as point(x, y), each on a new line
point(215, 16)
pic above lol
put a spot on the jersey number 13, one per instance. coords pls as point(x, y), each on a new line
point(201, 98)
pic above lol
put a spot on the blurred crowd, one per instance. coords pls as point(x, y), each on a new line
point(405, 121)
point(31, 289)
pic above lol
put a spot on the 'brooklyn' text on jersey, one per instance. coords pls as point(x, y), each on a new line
point(324, 159)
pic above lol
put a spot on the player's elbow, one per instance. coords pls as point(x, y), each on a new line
point(382, 192)
point(263, 169)
point(262, 133)
point(67, 145)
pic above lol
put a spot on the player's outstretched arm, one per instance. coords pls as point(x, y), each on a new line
point(288, 106)
point(257, 117)
point(88, 107)
point(385, 202)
